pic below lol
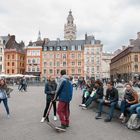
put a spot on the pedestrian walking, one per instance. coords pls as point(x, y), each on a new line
point(4, 91)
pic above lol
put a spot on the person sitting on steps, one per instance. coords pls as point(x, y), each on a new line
point(111, 99)
point(95, 95)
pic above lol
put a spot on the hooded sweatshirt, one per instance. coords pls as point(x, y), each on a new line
point(64, 90)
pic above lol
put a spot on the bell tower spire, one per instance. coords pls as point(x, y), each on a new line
point(70, 28)
point(39, 36)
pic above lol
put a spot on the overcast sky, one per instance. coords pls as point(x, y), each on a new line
point(113, 22)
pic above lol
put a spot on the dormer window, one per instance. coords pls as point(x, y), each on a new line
point(73, 48)
point(64, 48)
point(51, 49)
point(58, 48)
point(79, 47)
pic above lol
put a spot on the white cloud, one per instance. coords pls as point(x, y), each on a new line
point(113, 22)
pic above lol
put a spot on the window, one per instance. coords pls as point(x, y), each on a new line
point(45, 64)
point(136, 58)
point(79, 70)
point(51, 55)
point(58, 71)
point(73, 48)
point(51, 64)
point(64, 56)
point(8, 56)
point(1, 58)
point(50, 71)
point(51, 48)
point(79, 63)
point(29, 61)
point(98, 69)
point(29, 69)
point(33, 61)
point(33, 69)
point(13, 63)
point(73, 71)
point(13, 56)
point(45, 48)
point(64, 48)
point(58, 64)
point(79, 56)
point(73, 63)
point(79, 48)
point(45, 71)
point(58, 48)
point(64, 63)
point(8, 71)
point(12, 70)
point(72, 55)
point(136, 68)
point(8, 64)
point(38, 69)
point(57, 55)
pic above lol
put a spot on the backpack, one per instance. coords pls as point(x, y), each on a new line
point(133, 122)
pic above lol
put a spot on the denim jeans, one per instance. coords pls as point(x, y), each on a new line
point(89, 101)
point(5, 102)
point(111, 110)
point(124, 106)
point(135, 109)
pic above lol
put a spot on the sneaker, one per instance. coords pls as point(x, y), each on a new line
point(84, 108)
point(55, 118)
point(98, 116)
point(42, 120)
point(83, 105)
point(121, 116)
point(124, 120)
point(107, 120)
point(8, 116)
point(67, 125)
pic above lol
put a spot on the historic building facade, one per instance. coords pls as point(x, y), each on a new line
point(63, 54)
point(93, 57)
point(34, 57)
point(70, 28)
point(3, 41)
point(106, 60)
point(80, 58)
point(126, 65)
point(14, 56)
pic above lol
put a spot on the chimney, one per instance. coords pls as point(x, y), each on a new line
point(138, 35)
point(123, 47)
point(131, 41)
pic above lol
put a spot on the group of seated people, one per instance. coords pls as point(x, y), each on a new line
point(95, 92)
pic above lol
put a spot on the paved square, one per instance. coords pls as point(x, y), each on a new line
point(27, 109)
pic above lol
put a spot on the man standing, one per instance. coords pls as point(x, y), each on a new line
point(111, 99)
point(64, 94)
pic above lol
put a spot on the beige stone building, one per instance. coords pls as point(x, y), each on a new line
point(126, 65)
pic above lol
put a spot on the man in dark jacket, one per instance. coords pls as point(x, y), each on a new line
point(64, 94)
point(111, 98)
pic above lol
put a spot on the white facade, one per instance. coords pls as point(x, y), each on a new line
point(106, 60)
point(93, 61)
point(2, 69)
